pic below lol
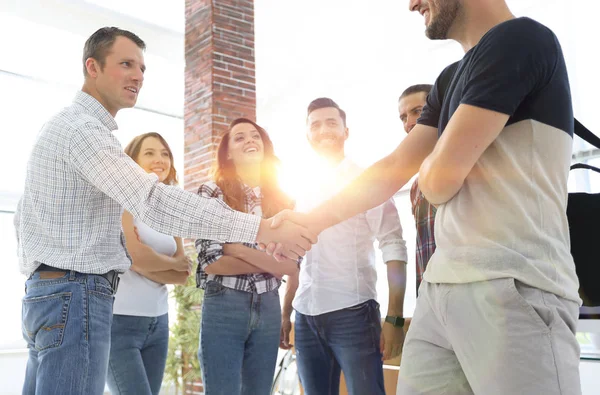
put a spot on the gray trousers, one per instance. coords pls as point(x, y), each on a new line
point(497, 337)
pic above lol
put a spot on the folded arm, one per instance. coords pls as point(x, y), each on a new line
point(157, 267)
point(260, 260)
point(469, 133)
point(144, 257)
point(213, 260)
point(164, 277)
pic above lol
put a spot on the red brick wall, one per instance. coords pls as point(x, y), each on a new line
point(219, 78)
point(219, 85)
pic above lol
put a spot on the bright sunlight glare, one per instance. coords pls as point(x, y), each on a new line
point(308, 181)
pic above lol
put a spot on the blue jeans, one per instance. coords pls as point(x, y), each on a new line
point(66, 324)
point(239, 338)
point(346, 340)
point(138, 353)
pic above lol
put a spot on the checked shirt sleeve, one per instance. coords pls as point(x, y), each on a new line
point(99, 158)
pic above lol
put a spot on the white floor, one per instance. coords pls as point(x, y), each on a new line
point(12, 373)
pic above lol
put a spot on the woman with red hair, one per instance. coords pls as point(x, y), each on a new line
point(241, 312)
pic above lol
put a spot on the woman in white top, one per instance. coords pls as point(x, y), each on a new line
point(140, 328)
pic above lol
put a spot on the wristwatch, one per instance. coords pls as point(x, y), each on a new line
point(396, 321)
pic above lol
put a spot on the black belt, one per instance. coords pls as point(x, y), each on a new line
point(112, 276)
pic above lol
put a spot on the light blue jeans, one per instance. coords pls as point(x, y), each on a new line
point(66, 324)
point(138, 353)
point(239, 338)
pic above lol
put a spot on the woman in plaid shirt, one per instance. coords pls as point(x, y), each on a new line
point(241, 313)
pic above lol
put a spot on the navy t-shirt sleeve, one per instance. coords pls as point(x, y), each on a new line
point(513, 60)
point(430, 115)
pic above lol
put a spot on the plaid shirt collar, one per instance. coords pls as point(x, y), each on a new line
point(252, 193)
point(95, 109)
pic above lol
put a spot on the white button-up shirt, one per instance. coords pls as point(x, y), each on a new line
point(339, 271)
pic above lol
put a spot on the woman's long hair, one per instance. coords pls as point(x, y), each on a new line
point(135, 145)
point(226, 178)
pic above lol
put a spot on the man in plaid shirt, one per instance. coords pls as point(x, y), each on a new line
point(410, 105)
point(68, 222)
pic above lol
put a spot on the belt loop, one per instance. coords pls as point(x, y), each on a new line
point(72, 275)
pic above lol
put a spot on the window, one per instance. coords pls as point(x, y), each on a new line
point(12, 289)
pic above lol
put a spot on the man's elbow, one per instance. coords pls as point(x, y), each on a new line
point(438, 186)
point(441, 194)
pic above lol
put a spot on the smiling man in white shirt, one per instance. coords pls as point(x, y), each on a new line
point(338, 324)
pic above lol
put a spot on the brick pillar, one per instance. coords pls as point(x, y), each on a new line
point(219, 78)
point(219, 87)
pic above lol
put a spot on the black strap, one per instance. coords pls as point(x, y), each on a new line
point(584, 166)
point(586, 135)
point(590, 138)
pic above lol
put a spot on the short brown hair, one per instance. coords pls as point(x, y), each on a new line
point(325, 102)
point(99, 44)
point(419, 88)
point(134, 147)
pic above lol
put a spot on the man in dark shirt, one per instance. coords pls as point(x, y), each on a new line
point(498, 308)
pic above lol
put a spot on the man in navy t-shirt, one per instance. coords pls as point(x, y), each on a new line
point(498, 307)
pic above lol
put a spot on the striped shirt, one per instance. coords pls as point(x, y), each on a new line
point(210, 251)
point(78, 182)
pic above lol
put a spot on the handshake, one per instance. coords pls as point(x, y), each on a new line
point(288, 235)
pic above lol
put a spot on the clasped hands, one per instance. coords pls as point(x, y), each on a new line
point(288, 235)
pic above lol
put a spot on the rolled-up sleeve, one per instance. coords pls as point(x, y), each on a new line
point(384, 222)
point(208, 252)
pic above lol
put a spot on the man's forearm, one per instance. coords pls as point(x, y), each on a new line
point(396, 271)
point(290, 292)
point(438, 185)
point(466, 137)
point(379, 182)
